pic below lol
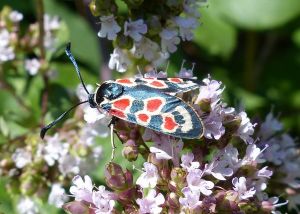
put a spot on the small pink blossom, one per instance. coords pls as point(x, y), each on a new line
point(135, 29)
point(191, 199)
point(241, 188)
point(188, 163)
point(82, 189)
point(196, 183)
point(151, 203)
point(102, 199)
point(149, 178)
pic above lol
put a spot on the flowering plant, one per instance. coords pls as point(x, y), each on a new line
point(231, 169)
point(239, 165)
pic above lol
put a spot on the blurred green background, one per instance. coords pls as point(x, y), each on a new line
point(252, 46)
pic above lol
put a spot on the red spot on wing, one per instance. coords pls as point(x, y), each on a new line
point(125, 81)
point(117, 113)
point(143, 117)
point(121, 104)
point(158, 84)
point(154, 104)
point(169, 123)
point(175, 80)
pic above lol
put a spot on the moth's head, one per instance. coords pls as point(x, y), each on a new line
point(107, 90)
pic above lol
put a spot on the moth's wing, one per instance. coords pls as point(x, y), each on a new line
point(161, 112)
point(164, 85)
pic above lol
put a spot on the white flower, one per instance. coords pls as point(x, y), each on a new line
point(148, 178)
point(253, 155)
point(135, 29)
point(219, 169)
point(188, 163)
point(21, 157)
point(160, 154)
point(160, 59)
point(151, 203)
point(15, 16)
point(169, 40)
point(213, 126)
point(196, 183)
point(269, 127)
point(82, 189)
point(102, 200)
point(54, 149)
point(241, 188)
point(109, 27)
point(81, 93)
point(51, 22)
point(191, 198)
point(32, 66)
point(57, 196)
point(211, 92)
point(145, 48)
point(246, 128)
point(119, 60)
point(6, 51)
point(27, 206)
point(68, 164)
point(186, 25)
point(264, 172)
point(93, 130)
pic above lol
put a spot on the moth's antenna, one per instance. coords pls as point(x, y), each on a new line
point(46, 128)
point(71, 57)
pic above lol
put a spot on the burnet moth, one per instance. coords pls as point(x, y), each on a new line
point(149, 102)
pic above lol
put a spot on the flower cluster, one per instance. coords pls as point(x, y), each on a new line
point(9, 28)
point(37, 169)
point(36, 165)
point(225, 171)
point(148, 34)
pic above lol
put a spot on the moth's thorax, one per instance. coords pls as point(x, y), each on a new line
point(108, 90)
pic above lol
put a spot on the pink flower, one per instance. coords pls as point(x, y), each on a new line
point(82, 190)
point(151, 203)
point(188, 163)
point(241, 188)
point(102, 199)
point(148, 178)
point(191, 198)
point(196, 183)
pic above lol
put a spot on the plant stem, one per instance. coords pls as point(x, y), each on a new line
point(45, 93)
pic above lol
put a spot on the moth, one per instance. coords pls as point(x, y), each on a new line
point(150, 102)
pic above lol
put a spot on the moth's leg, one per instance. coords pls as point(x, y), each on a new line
point(112, 139)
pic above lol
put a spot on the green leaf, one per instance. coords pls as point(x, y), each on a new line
point(215, 35)
point(296, 37)
point(259, 14)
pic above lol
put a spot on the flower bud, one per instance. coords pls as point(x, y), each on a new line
point(116, 179)
point(176, 6)
point(123, 42)
point(130, 151)
point(178, 178)
point(103, 7)
point(76, 207)
point(154, 25)
point(205, 105)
